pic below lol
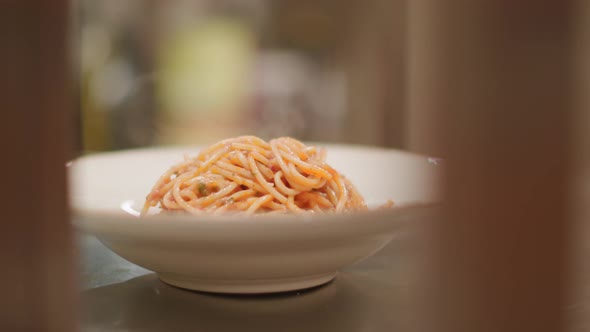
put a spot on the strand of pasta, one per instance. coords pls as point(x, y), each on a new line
point(248, 175)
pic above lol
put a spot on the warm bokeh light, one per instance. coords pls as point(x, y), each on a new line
point(197, 71)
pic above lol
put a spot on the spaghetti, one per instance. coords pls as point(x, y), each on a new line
point(249, 175)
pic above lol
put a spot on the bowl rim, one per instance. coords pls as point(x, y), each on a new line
point(84, 218)
point(284, 231)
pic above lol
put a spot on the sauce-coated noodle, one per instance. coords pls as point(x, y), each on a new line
point(248, 175)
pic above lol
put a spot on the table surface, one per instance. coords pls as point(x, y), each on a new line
point(370, 296)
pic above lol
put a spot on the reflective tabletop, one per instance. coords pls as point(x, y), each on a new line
point(373, 295)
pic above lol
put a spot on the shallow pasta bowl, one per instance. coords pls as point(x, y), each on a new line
point(252, 254)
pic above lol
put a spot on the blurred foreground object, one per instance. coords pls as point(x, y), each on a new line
point(578, 309)
point(38, 283)
point(495, 79)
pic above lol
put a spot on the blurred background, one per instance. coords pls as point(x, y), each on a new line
point(191, 72)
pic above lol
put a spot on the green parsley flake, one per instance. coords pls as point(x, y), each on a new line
point(203, 189)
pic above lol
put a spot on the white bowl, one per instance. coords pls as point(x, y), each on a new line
point(248, 254)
